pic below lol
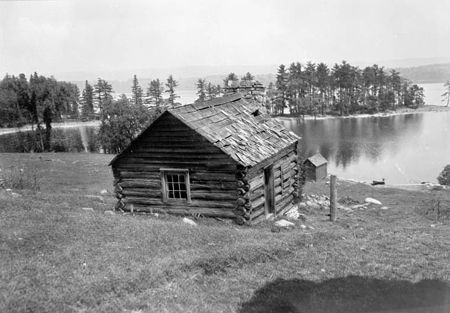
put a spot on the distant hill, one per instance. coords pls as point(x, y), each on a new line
point(433, 73)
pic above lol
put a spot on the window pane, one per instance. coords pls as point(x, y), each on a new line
point(176, 185)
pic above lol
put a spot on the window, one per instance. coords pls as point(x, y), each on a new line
point(175, 185)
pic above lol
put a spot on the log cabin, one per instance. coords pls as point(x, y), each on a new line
point(219, 158)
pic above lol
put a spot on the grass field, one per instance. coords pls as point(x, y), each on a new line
point(57, 257)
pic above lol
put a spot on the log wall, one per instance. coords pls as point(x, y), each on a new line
point(169, 143)
point(285, 183)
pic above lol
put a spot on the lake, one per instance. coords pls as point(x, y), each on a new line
point(403, 149)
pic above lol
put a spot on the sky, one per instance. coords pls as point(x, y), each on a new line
point(76, 35)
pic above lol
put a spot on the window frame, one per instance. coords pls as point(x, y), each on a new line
point(165, 186)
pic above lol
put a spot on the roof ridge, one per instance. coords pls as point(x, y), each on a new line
point(212, 102)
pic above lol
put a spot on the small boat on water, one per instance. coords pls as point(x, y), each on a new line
point(378, 182)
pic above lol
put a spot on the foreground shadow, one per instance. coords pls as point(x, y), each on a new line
point(350, 295)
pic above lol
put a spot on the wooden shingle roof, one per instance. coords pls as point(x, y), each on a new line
point(317, 160)
point(237, 127)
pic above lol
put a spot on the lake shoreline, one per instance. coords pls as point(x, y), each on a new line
point(401, 111)
point(425, 186)
point(12, 130)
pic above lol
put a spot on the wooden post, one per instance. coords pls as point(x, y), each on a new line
point(333, 198)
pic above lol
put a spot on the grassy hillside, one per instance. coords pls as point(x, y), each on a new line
point(57, 257)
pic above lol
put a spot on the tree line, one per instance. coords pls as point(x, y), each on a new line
point(304, 89)
point(38, 101)
point(340, 90)
point(93, 95)
point(207, 91)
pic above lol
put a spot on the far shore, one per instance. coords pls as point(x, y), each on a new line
point(400, 111)
point(5, 131)
point(425, 186)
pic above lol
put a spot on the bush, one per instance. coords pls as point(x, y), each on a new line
point(18, 177)
point(444, 177)
point(122, 121)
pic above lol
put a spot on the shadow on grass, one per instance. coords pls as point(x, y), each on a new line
point(350, 295)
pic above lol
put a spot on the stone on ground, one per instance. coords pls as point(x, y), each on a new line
point(103, 191)
point(284, 223)
point(372, 200)
point(88, 209)
point(189, 221)
point(293, 213)
point(109, 212)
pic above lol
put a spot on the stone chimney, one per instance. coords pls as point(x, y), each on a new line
point(250, 89)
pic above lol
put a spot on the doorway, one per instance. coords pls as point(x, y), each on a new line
point(269, 190)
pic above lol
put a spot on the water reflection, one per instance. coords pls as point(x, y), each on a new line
point(76, 139)
point(400, 148)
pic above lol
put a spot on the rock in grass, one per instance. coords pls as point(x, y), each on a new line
point(103, 191)
point(372, 200)
point(189, 221)
point(384, 208)
point(284, 223)
point(109, 212)
point(293, 213)
point(99, 198)
point(314, 206)
point(88, 209)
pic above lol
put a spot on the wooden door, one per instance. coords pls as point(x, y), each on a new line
point(269, 190)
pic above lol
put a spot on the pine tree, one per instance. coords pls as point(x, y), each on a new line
point(248, 77)
point(171, 84)
point(281, 85)
point(201, 90)
point(211, 91)
point(87, 100)
point(230, 79)
point(323, 73)
point(136, 92)
point(154, 92)
point(103, 91)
